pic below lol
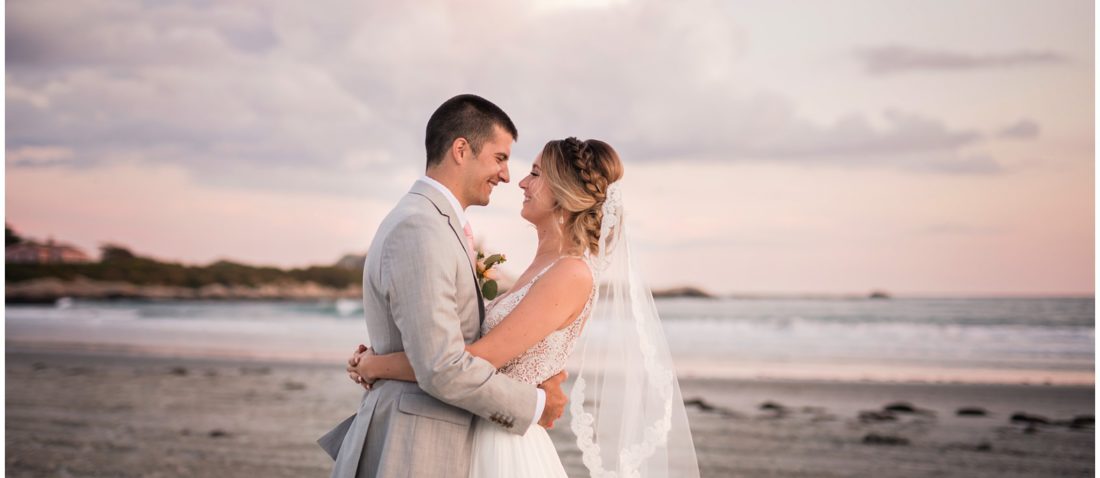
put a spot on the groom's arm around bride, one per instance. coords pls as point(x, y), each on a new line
point(424, 299)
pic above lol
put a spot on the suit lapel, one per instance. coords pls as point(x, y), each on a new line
point(444, 207)
point(480, 305)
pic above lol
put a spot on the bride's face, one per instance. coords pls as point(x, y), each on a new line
point(538, 201)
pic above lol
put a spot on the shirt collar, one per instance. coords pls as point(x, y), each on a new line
point(450, 198)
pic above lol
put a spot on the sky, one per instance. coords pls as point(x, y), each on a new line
point(770, 147)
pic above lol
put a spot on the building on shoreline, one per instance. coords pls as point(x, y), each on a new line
point(31, 252)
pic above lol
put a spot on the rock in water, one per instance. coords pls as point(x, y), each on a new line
point(1021, 417)
point(876, 439)
point(770, 405)
point(983, 446)
point(971, 412)
point(1082, 421)
point(900, 407)
point(907, 408)
point(698, 402)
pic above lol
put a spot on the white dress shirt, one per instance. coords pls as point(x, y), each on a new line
point(540, 402)
point(450, 198)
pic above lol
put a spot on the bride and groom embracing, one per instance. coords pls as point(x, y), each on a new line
point(456, 387)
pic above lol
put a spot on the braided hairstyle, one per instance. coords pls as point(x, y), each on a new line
point(578, 174)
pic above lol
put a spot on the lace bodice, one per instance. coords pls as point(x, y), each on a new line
point(546, 358)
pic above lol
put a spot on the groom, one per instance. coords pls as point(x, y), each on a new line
point(420, 295)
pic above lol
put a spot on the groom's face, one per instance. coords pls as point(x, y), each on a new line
point(488, 168)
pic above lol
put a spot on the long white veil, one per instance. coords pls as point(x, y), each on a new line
point(625, 407)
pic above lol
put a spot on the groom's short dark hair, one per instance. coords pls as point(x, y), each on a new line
point(464, 116)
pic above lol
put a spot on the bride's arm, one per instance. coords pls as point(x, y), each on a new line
point(559, 295)
point(393, 366)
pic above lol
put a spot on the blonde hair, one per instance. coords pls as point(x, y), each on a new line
point(578, 174)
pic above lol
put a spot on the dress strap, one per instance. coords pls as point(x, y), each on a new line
point(532, 281)
point(548, 267)
point(584, 258)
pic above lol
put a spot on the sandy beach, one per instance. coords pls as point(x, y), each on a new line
point(108, 414)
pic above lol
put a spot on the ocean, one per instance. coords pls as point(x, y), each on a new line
point(966, 340)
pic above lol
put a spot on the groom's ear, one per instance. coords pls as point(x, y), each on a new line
point(460, 150)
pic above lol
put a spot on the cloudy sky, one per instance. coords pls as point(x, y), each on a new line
point(770, 146)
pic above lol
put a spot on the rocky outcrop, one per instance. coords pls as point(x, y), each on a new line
point(693, 292)
point(51, 289)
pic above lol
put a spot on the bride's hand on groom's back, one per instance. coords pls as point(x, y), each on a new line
point(353, 364)
point(555, 400)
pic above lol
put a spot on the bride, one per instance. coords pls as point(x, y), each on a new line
point(625, 408)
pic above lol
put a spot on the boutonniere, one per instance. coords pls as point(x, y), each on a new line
point(486, 276)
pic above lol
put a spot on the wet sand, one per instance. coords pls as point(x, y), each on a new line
point(108, 414)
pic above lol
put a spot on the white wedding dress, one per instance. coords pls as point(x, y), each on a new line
point(498, 453)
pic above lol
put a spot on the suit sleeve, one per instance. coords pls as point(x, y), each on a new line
point(419, 280)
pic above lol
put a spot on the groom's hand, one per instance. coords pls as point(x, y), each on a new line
point(555, 400)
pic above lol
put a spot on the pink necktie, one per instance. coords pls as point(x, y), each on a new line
point(470, 243)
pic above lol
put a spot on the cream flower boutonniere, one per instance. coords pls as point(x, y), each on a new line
point(486, 276)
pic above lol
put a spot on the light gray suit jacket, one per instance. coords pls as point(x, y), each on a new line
point(420, 295)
